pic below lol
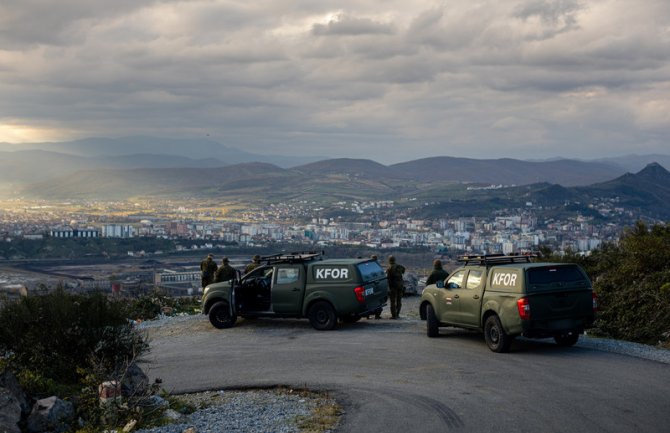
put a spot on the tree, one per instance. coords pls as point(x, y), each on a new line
point(632, 281)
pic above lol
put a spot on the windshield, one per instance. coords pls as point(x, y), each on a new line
point(370, 270)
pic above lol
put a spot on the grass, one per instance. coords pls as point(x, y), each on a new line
point(324, 418)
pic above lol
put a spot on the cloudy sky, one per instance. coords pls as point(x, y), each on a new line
point(390, 80)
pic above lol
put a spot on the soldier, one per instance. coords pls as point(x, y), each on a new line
point(256, 262)
point(225, 271)
point(208, 269)
point(438, 274)
point(394, 274)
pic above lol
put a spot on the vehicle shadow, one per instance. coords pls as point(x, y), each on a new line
point(519, 345)
point(273, 322)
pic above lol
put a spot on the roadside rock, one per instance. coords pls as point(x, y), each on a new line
point(135, 381)
point(52, 414)
point(9, 382)
point(10, 412)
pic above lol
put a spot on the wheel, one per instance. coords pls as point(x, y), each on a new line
point(322, 316)
point(495, 336)
point(432, 324)
point(566, 339)
point(350, 319)
point(220, 316)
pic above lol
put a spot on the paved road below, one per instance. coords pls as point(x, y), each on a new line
point(391, 378)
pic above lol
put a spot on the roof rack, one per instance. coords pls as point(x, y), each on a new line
point(495, 259)
point(294, 257)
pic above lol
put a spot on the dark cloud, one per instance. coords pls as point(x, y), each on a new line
point(556, 16)
point(41, 22)
point(523, 78)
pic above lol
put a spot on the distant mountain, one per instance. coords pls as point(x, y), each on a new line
point(647, 190)
point(635, 163)
point(195, 182)
point(198, 149)
point(250, 182)
point(551, 194)
point(646, 193)
point(363, 168)
point(105, 169)
point(37, 165)
point(507, 171)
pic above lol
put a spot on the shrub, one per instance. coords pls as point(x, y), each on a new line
point(53, 335)
point(630, 284)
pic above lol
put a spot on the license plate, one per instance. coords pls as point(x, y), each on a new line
point(369, 291)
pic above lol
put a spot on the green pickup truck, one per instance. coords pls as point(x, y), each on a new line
point(508, 296)
point(300, 285)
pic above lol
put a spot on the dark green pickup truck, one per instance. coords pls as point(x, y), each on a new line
point(300, 285)
point(507, 296)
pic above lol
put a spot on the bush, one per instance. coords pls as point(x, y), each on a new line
point(54, 335)
point(630, 282)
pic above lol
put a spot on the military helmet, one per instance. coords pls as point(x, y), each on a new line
point(391, 259)
point(437, 263)
point(257, 258)
point(225, 260)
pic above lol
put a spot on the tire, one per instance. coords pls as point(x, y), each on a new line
point(220, 317)
point(495, 336)
point(566, 339)
point(432, 324)
point(322, 316)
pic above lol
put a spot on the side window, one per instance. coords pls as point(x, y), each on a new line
point(287, 275)
point(258, 272)
point(474, 279)
point(456, 280)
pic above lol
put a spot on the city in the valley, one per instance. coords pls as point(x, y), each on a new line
point(374, 224)
point(160, 242)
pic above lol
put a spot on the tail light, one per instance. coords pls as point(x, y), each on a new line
point(360, 294)
point(524, 308)
point(594, 298)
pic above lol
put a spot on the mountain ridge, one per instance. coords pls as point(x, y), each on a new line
point(192, 148)
point(567, 172)
point(335, 180)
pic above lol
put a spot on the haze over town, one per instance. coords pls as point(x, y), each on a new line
point(391, 81)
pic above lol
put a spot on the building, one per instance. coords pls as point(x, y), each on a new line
point(118, 231)
point(69, 232)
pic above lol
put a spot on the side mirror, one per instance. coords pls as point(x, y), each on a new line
point(439, 284)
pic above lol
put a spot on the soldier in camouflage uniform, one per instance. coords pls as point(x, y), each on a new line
point(394, 274)
point(208, 269)
point(256, 262)
point(225, 271)
point(438, 274)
